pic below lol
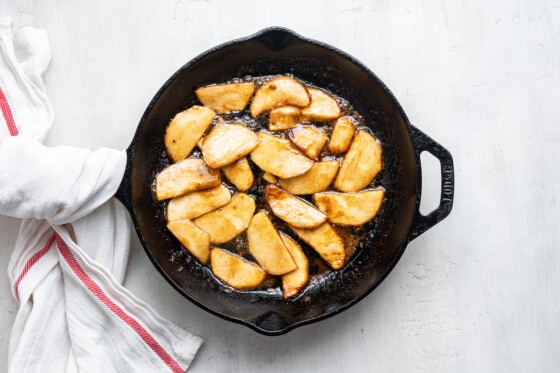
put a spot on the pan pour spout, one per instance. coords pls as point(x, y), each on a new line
point(276, 38)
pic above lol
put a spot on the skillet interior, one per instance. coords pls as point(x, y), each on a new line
point(279, 51)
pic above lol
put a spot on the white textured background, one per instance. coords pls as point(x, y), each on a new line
point(478, 292)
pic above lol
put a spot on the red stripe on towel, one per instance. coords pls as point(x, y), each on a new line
point(31, 262)
point(7, 112)
point(96, 290)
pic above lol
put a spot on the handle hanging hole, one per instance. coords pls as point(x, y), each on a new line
point(431, 183)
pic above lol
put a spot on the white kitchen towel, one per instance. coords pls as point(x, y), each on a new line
point(70, 257)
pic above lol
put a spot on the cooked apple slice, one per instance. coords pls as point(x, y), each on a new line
point(226, 97)
point(283, 118)
point(343, 131)
point(270, 178)
point(266, 246)
point(323, 107)
point(282, 90)
point(195, 204)
point(316, 180)
point(235, 271)
point(195, 240)
point(239, 174)
point(279, 156)
point(184, 131)
point(354, 208)
point(188, 175)
point(326, 242)
point(309, 139)
point(229, 221)
point(291, 209)
point(226, 143)
point(361, 164)
point(294, 282)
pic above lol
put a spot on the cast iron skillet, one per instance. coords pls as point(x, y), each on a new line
point(281, 51)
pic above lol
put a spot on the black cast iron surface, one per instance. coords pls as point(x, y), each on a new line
point(281, 51)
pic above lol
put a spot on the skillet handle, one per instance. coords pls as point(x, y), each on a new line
point(421, 223)
point(124, 192)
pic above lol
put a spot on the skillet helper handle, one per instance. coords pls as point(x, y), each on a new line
point(124, 193)
point(421, 223)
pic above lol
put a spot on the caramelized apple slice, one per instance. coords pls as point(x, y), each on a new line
point(195, 240)
point(361, 164)
point(309, 139)
point(294, 282)
point(184, 131)
point(188, 175)
point(226, 143)
point(282, 90)
point(326, 242)
point(341, 137)
point(270, 178)
point(239, 174)
point(316, 180)
point(226, 97)
point(266, 246)
point(354, 208)
point(229, 221)
point(283, 118)
point(279, 156)
point(235, 271)
point(195, 204)
point(323, 107)
point(292, 209)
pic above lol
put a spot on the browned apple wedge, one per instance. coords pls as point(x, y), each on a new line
point(279, 156)
point(282, 90)
point(235, 271)
point(309, 139)
point(283, 118)
point(323, 107)
point(195, 204)
point(294, 282)
point(188, 175)
point(343, 131)
point(226, 143)
point(292, 209)
point(226, 97)
point(270, 178)
point(361, 164)
point(326, 242)
point(266, 246)
point(195, 240)
point(354, 208)
point(229, 221)
point(239, 174)
point(184, 131)
point(316, 180)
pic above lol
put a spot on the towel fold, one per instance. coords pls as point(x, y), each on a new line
point(71, 252)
